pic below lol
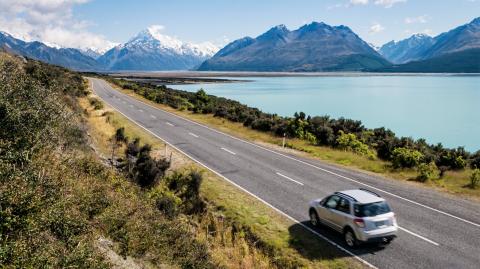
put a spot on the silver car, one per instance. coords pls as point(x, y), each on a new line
point(361, 215)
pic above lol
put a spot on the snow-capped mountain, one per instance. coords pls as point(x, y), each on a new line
point(151, 50)
point(67, 57)
point(312, 47)
point(410, 49)
point(423, 47)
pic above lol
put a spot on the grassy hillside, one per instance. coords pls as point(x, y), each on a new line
point(467, 61)
point(60, 205)
point(66, 203)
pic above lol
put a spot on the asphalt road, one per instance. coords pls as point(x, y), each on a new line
point(437, 229)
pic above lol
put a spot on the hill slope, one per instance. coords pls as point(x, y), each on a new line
point(466, 61)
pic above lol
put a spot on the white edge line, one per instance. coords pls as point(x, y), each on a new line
point(229, 151)
point(419, 236)
point(194, 135)
point(308, 164)
point(253, 195)
point(284, 176)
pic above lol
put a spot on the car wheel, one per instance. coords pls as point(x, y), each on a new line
point(314, 219)
point(387, 241)
point(350, 238)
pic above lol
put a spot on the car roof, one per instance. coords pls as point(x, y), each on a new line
point(362, 196)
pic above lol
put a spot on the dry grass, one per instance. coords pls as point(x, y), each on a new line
point(279, 241)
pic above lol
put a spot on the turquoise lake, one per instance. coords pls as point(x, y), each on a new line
point(441, 109)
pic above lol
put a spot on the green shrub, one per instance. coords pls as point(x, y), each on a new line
point(406, 158)
point(427, 171)
point(351, 143)
point(475, 179)
point(97, 104)
point(142, 167)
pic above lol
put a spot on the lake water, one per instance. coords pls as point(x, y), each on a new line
point(442, 109)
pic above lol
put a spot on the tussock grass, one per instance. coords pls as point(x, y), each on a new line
point(239, 230)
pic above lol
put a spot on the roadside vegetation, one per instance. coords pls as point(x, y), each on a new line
point(343, 141)
point(239, 230)
point(82, 187)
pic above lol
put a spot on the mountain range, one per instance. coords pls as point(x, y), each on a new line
point(147, 51)
point(150, 50)
point(312, 47)
point(456, 51)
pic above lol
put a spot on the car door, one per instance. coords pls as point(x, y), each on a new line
point(342, 213)
point(328, 210)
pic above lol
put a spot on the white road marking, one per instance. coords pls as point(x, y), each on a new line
point(419, 236)
point(124, 101)
point(319, 168)
point(194, 135)
point(140, 110)
point(153, 117)
point(168, 123)
point(309, 164)
point(255, 196)
point(229, 151)
point(293, 180)
point(130, 106)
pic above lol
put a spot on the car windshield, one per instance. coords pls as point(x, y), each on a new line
point(370, 210)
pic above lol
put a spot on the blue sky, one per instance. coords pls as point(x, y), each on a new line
point(74, 22)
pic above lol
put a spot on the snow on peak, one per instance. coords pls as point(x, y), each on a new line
point(152, 38)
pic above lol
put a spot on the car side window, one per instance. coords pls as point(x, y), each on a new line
point(332, 202)
point(344, 206)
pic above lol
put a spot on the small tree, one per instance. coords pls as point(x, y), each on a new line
point(427, 172)
point(475, 178)
point(142, 167)
point(406, 158)
point(117, 140)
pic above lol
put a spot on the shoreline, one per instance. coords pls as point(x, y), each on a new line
point(210, 74)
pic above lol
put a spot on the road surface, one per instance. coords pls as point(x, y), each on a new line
point(436, 230)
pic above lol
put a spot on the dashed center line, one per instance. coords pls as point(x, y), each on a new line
point(168, 123)
point(140, 110)
point(229, 151)
point(291, 179)
point(419, 236)
point(194, 135)
point(153, 117)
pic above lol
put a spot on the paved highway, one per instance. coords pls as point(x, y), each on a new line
point(436, 230)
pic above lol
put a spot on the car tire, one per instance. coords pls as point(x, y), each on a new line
point(350, 238)
point(314, 219)
point(387, 242)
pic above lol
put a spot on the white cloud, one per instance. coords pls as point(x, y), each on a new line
point(49, 21)
point(376, 28)
point(388, 3)
point(419, 19)
point(359, 2)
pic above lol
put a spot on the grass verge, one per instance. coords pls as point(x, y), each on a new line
point(453, 182)
point(264, 239)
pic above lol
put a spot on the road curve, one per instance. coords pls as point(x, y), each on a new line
point(437, 229)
